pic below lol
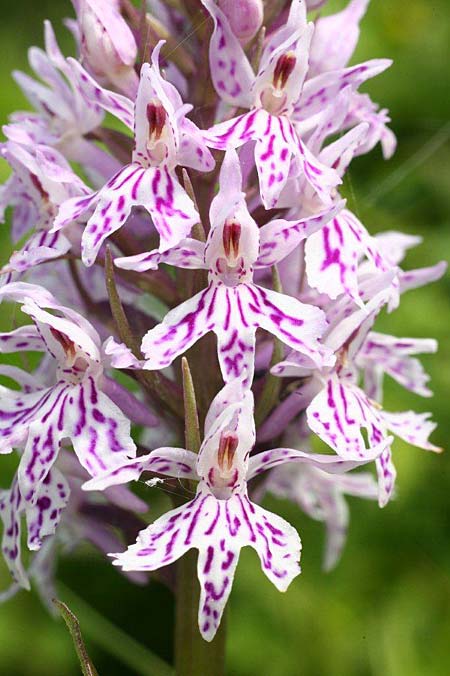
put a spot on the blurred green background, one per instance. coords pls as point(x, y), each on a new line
point(386, 609)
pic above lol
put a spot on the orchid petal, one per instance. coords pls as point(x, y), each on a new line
point(118, 105)
point(338, 414)
point(188, 254)
point(319, 91)
point(267, 460)
point(43, 517)
point(333, 254)
point(40, 247)
point(25, 338)
point(414, 279)
point(414, 428)
point(173, 462)
point(279, 237)
point(335, 38)
point(11, 507)
point(230, 69)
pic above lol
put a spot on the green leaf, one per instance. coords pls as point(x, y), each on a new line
point(114, 640)
point(73, 625)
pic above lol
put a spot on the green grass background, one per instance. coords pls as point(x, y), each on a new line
point(385, 611)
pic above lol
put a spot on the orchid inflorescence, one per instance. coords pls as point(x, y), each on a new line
point(145, 223)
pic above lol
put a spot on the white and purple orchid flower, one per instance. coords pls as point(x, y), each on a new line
point(320, 494)
point(270, 95)
point(232, 306)
point(290, 284)
point(333, 43)
point(62, 515)
point(164, 139)
point(281, 100)
point(340, 412)
point(74, 406)
point(221, 519)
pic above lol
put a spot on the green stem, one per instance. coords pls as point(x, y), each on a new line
point(193, 655)
point(156, 384)
point(272, 385)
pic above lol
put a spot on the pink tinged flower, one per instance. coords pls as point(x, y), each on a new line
point(60, 515)
point(221, 519)
point(270, 95)
point(341, 410)
point(63, 116)
point(164, 139)
point(245, 17)
point(363, 109)
point(73, 407)
point(381, 354)
point(335, 38)
point(321, 495)
point(43, 180)
point(107, 44)
point(393, 247)
point(319, 91)
point(42, 518)
point(333, 256)
point(232, 306)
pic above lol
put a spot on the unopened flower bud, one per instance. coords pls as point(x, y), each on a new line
point(245, 17)
point(107, 43)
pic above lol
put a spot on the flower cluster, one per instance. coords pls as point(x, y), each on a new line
point(145, 223)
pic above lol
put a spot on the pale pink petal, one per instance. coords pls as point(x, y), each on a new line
point(414, 428)
point(44, 515)
point(414, 279)
point(319, 91)
point(339, 413)
point(25, 338)
point(387, 475)
point(174, 462)
point(115, 27)
point(116, 104)
point(99, 431)
point(11, 509)
point(279, 237)
point(382, 354)
point(333, 255)
point(335, 38)
point(192, 150)
point(189, 253)
point(230, 69)
point(40, 247)
point(279, 456)
point(180, 329)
